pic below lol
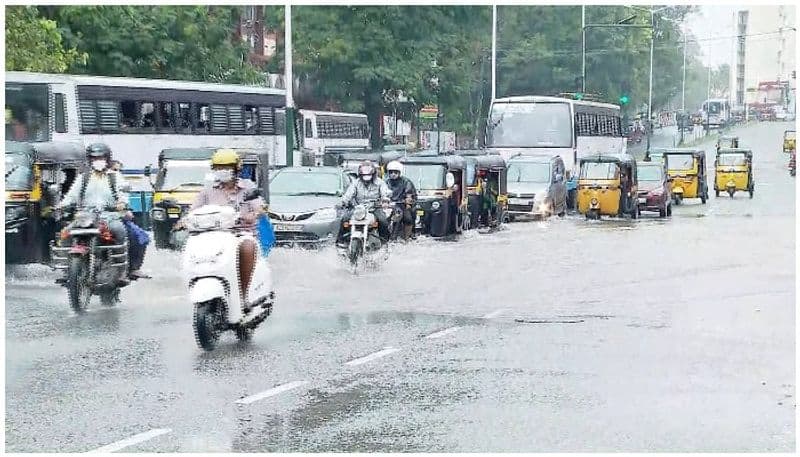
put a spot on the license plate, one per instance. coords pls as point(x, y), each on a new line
point(288, 228)
point(420, 212)
point(173, 210)
point(519, 201)
point(642, 200)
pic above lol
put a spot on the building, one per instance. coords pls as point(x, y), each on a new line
point(764, 50)
point(251, 29)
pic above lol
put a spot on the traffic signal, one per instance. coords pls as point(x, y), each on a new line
point(578, 96)
point(623, 100)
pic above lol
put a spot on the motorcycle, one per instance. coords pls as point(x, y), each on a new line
point(363, 238)
point(95, 263)
point(210, 267)
point(398, 229)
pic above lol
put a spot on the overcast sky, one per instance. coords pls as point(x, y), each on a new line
point(710, 22)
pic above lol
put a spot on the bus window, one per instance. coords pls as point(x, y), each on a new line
point(202, 116)
point(166, 122)
point(27, 112)
point(236, 119)
point(61, 113)
point(184, 118)
point(250, 120)
point(128, 112)
point(147, 113)
point(309, 130)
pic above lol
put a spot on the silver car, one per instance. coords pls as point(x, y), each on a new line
point(302, 201)
point(536, 186)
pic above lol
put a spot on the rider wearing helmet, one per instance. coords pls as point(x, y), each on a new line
point(404, 194)
point(368, 187)
point(99, 188)
point(229, 190)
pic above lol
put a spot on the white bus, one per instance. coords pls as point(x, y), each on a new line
point(138, 118)
point(546, 126)
point(716, 112)
point(327, 129)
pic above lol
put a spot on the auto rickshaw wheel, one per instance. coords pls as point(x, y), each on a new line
point(731, 192)
point(752, 190)
point(716, 191)
point(703, 198)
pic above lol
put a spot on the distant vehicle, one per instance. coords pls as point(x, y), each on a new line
point(654, 188)
point(716, 113)
point(547, 126)
point(326, 130)
point(302, 201)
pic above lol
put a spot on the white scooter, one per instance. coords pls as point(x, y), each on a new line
point(210, 267)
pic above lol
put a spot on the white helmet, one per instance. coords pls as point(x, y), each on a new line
point(394, 165)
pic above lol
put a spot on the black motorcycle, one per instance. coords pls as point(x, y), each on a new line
point(95, 263)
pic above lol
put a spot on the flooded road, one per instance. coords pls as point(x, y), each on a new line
point(562, 335)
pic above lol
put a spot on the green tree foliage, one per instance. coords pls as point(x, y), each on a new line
point(171, 42)
point(34, 44)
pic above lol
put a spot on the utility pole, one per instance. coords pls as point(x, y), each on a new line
point(583, 49)
point(494, 52)
point(683, 84)
point(289, 83)
point(650, 91)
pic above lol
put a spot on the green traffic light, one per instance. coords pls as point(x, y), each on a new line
point(578, 96)
point(624, 100)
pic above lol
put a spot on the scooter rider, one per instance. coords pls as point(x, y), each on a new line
point(367, 187)
point(404, 194)
point(229, 190)
point(99, 188)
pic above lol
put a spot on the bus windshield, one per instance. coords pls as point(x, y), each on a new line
point(530, 125)
point(27, 112)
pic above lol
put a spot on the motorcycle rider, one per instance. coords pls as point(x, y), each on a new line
point(366, 188)
point(229, 190)
point(404, 195)
point(99, 188)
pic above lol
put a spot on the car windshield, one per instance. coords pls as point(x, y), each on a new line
point(649, 173)
point(183, 173)
point(292, 182)
point(425, 176)
point(19, 175)
point(529, 172)
point(732, 160)
point(680, 162)
point(599, 170)
point(530, 125)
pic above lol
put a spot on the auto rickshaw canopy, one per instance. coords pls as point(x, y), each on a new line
point(728, 142)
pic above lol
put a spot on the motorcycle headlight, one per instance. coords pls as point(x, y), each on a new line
point(360, 213)
point(327, 214)
point(435, 205)
point(159, 214)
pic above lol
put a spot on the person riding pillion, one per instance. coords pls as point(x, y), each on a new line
point(100, 189)
point(229, 190)
point(404, 193)
point(368, 187)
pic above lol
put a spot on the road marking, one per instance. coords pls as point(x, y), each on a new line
point(493, 314)
point(375, 355)
point(444, 332)
point(271, 392)
point(135, 439)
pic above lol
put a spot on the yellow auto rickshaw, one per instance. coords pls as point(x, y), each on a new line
point(727, 142)
point(608, 185)
point(37, 177)
point(789, 141)
point(686, 170)
point(733, 171)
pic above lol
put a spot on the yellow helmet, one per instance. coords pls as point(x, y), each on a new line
point(224, 157)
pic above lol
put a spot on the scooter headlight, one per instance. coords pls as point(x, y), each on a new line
point(436, 205)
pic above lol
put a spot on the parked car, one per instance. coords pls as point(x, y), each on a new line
point(654, 189)
point(302, 204)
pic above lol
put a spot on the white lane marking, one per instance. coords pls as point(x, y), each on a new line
point(444, 332)
point(494, 314)
point(135, 439)
point(271, 392)
point(375, 355)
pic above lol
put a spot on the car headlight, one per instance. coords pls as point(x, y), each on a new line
point(327, 214)
point(159, 214)
point(436, 205)
point(360, 213)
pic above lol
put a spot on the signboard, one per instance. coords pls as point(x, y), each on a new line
point(447, 144)
point(428, 112)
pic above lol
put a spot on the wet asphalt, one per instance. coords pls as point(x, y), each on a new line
point(560, 335)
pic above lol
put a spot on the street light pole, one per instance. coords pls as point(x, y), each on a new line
point(494, 52)
point(289, 83)
point(583, 49)
point(683, 84)
point(650, 95)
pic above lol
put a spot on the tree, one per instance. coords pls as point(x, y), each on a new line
point(170, 42)
point(34, 43)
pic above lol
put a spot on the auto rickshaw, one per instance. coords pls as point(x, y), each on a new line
point(487, 192)
point(655, 154)
point(182, 175)
point(727, 142)
point(441, 182)
point(733, 170)
point(789, 141)
point(38, 176)
point(686, 170)
point(608, 185)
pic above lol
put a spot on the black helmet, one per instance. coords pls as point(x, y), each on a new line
point(98, 150)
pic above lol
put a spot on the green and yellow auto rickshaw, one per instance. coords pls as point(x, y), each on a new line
point(487, 188)
point(441, 182)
